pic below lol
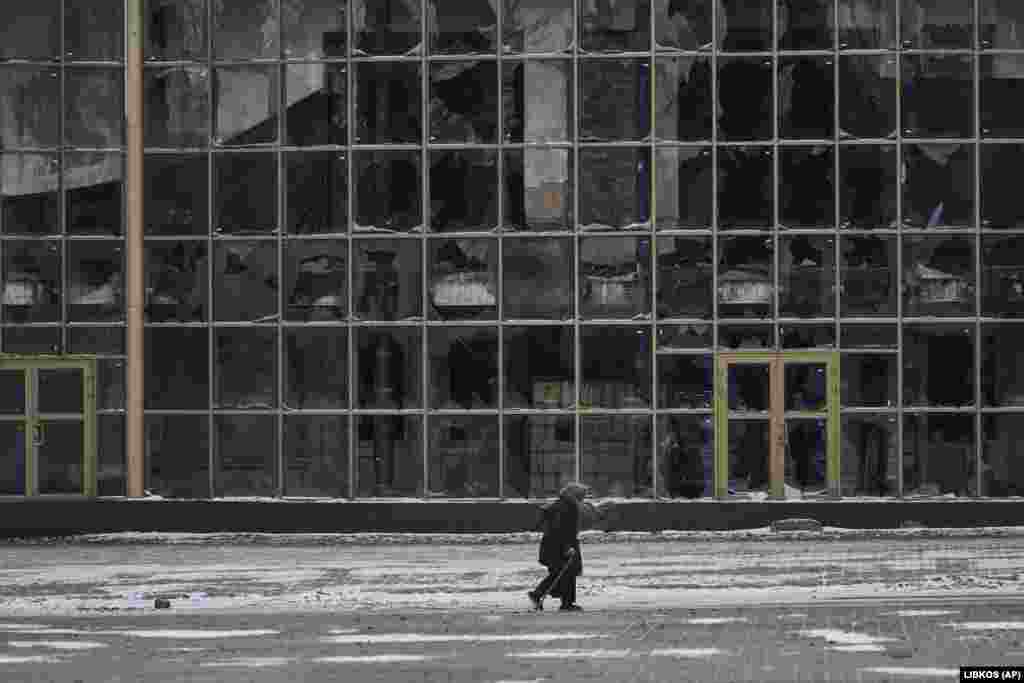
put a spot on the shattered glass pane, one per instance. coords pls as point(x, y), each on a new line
point(1002, 276)
point(463, 281)
point(867, 24)
point(388, 191)
point(868, 187)
point(464, 101)
point(867, 96)
point(745, 98)
point(681, 337)
point(615, 26)
point(615, 277)
point(387, 103)
point(388, 279)
point(685, 273)
point(683, 25)
point(537, 99)
point(245, 281)
point(685, 456)
point(615, 188)
point(538, 189)
point(316, 280)
point(177, 106)
point(684, 187)
point(32, 281)
point(176, 281)
point(95, 280)
point(463, 364)
point(807, 276)
point(746, 337)
point(868, 276)
point(938, 276)
point(806, 97)
point(683, 102)
point(628, 82)
point(463, 27)
point(175, 29)
point(29, 194)
point(616, 367)
point(386, 27)
point(615, 455)
point(869, 456)
point(388, 368)
point(938, 186)
point(539, 368)
point(538, 278)
point(745, 275)
point(537, 25)
point(685, 381)
point(463, 190)
point(390, 455)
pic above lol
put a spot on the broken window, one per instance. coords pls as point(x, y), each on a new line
point(540, 454)
point(745, 187)
point(615, 367)
point(93, 183)
point(537, 98)
point(28, 194)
point(746, 337)
point(938, 275)
point(938, 96)
point(868, 276)
point(1002, 25)
point(463, 364)
point(314, 29)
point(615, 25)
point(614, 99)
point(245, 29)
point(387, 103)
point(615, 188)
point(389, 455)
point(176, 192)
point(245, 277)
point(939, 455)
point(685, 274)
point(316, 368)
point(869, 458)
point(177, 368)
point(388, 279)
point(867, 24)
point(937, 24)
point(681, 337)
point(867, 96)
point(1002, 276)
point(316, 106)
point(95, 280)
point(1001, 95)
point(938, 185)
point(805, 24)
point(537, 25)
point(30, 100)
point(938, 365)
point(745, 98)
point(615, 455)
point(868, 186)
point(807, 336)
point(175, 29)
point(684, 187)
point(746, 272)
point(316, 455)
point(93, 29)
point(869, 379)
point(683, 25)
point(464, 27)
point(684, 381)
point(538, 189)
point(245, 455)
point(176, 287)
point(316, 280)
point(463, 279)
point(683, 106)
point(462, 456)
point(538, 278)
point(745, 26)
point(245, 368)
point(317, 192)
point(1002, 365)
point(245, 192)
point(386, 27)
point(685, 456)
point(178, 455)
point(807, 188)
point(463, 190)
point(463, 101)
point(388, 368)
point(807, 276)
point(1000, 465)
point(388, 191)
point(246, 98)
point(30, 31)
point(32, 281)
point(539, 367)
point(806, 97)
point(615, 277)
point(177, 106)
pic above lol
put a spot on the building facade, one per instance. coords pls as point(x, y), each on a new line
point(474, 248)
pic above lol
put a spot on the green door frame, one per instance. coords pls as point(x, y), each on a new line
point(776, 361)
point(87, 364)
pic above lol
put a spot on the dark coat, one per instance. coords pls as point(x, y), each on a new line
point(560, 523)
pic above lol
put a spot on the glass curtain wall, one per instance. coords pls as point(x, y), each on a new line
point(475, 248)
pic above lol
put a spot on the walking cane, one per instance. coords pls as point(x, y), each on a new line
point(558, 579)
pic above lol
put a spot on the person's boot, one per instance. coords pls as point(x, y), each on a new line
point(570, 607)
point(535, 600)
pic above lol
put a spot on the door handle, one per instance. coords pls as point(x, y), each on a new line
point(38, 434)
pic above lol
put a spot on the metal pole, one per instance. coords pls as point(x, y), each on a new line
point(135, 433)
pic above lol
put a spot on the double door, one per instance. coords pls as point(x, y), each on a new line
point(777, 425)
point(47, 426)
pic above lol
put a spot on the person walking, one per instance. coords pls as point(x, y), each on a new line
point(560, 548)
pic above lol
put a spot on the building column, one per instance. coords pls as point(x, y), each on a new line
point(134, 252)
